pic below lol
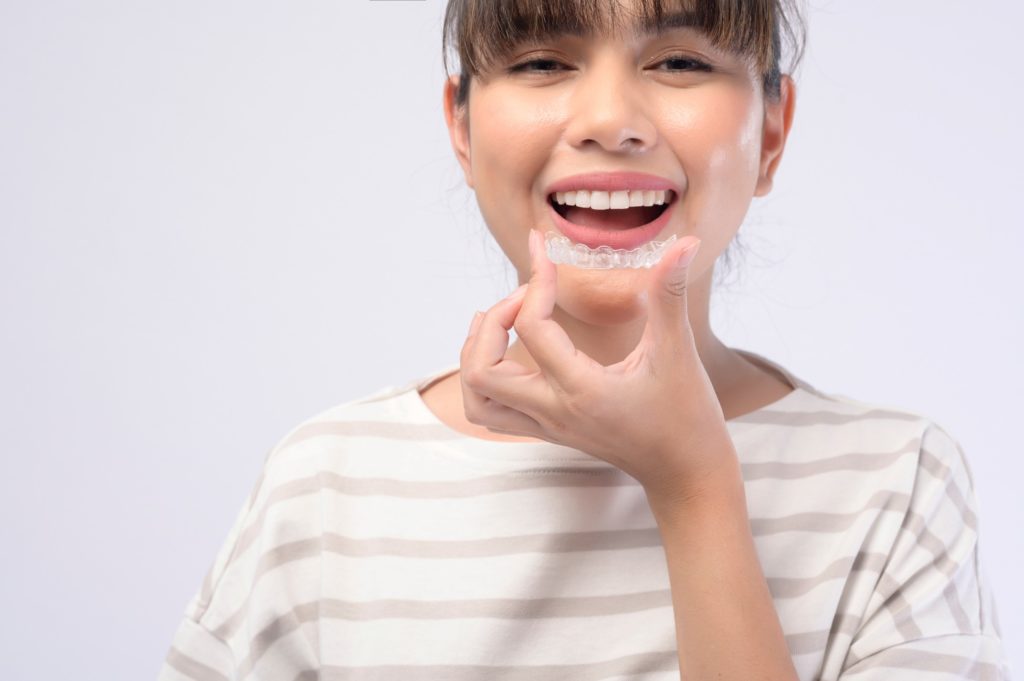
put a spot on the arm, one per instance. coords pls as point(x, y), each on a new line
point(726, 625)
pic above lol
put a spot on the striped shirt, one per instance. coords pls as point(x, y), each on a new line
point(380, 543)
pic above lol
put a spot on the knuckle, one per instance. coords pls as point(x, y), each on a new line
point(676, 289)
point(473, 377)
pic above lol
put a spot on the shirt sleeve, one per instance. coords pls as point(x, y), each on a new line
point(196, 652)
point(932, 616)
point(255, 614)
point(197, 655)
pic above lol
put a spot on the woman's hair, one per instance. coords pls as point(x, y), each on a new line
point(484, 31)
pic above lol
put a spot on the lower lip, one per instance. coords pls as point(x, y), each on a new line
point(625, 239)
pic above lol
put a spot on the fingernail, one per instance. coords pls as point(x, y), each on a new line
point(687, 256)
point(475, 323)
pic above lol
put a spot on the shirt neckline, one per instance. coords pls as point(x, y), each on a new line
point(471, 447)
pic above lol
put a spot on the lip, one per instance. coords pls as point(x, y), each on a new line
point(614, 238)
point(611, 181)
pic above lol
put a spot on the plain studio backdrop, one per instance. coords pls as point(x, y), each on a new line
point(221, 218)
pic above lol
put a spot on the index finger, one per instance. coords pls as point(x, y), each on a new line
point(547, 342)
point(484, 349)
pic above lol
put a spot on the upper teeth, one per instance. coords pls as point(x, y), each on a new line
point(618, 199)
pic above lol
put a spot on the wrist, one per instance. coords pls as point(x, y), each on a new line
point(718, 489)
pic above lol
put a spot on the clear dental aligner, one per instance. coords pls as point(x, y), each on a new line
point(561, 250)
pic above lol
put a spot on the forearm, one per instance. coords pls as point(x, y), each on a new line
point(726, 625)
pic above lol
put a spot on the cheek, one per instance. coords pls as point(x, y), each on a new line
point(511, 139)
point(717, 141)
point(509, 142)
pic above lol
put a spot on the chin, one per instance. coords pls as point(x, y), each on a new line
point(603, 297)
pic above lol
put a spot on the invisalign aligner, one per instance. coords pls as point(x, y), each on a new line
point(561, 250)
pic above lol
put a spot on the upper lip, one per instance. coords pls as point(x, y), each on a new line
point(611, 181)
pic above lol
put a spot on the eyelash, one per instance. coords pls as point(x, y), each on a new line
point(698, 64)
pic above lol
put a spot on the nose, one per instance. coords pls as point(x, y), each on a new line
point(608, 110)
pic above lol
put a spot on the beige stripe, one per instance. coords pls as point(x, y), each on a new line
point(863, 462)
point(185, 665)
point(499, 608)
point(903, 657)
point(829, 522)
point(276, 630)
point(816, 641)
point(942, 472)
point(648, 663)
point(899, 608)
point(551, 543)
point(963, 622)
point(792, 587)
point(823, 418)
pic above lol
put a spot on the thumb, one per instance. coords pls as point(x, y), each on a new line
point(667, 308)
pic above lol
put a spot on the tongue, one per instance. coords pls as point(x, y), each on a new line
point(624, 218)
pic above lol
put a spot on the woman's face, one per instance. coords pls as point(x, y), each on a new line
point(668, 105)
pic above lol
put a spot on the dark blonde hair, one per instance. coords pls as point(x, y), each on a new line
point(484, 31)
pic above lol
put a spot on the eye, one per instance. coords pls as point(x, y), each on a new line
point(525, 66)
point(682, 62)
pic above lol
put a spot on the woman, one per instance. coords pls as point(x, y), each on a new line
point(617, 493)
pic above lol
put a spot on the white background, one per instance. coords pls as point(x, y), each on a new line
point(220, 218)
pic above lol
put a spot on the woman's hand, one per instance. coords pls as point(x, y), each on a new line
point(654, 415)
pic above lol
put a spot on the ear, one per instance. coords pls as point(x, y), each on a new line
point(458, 127)
point(778, 119)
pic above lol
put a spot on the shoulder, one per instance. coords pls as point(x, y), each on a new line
point(325, 438)
point(839, 441)
point(916, 461)
point(930, 444)
point(283, 512)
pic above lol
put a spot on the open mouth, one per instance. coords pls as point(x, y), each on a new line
point(612, 211)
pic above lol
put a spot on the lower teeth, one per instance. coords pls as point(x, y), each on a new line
point(561, 250)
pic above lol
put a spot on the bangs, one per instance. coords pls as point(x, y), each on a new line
point(485, 31)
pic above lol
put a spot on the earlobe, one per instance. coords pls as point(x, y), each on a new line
point(778, 120)
point(458, 127)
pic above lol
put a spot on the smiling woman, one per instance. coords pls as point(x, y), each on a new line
point(617, 493)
